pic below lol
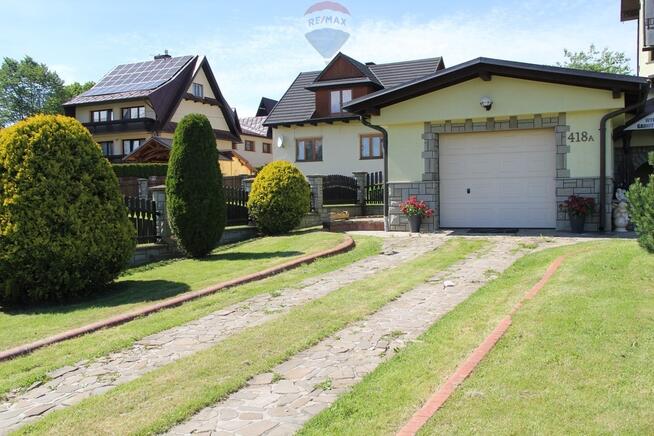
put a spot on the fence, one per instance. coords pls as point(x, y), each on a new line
point(236, 200)
point(339, 189)
point(374, 190)
point(143, 214)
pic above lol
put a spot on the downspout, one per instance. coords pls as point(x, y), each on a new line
point(603, 121)
point(384, 133)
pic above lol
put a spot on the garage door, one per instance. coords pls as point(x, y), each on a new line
point(498, 179)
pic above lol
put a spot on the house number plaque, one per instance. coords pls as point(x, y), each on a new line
point(582, 136)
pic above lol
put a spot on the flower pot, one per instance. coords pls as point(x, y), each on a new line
point(577, 223)
point(414, 223)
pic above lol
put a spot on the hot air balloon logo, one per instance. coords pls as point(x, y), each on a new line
point(327, 27)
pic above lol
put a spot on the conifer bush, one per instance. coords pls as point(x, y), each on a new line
point(64, 231)
point(641, 210)
point(280, 197)
point(194, 187)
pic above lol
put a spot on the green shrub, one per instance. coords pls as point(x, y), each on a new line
point(141, 170)
point(64, 230)
point(280, 197)
point(194, 187)
point(641, 210)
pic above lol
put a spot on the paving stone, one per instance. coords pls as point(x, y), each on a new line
point(38, 410)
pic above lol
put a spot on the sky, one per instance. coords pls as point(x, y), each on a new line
point(257, 48)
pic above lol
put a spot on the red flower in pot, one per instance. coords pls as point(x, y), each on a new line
point(415, 210)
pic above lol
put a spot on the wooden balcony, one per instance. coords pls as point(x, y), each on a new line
point(135, 125)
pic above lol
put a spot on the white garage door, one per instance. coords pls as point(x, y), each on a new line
point(498, 179)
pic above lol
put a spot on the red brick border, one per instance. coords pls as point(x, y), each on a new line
point(344, 246)
point(464, 369)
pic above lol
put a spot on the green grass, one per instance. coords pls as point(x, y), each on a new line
point(23, 371)
point(575, 360)
point(158, 400)
point(141, 286)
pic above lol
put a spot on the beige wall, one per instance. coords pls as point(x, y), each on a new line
point(257, 158)
point(118, 138)
point(645, 60)
point(83, 113)
point(340, 148)
point(511, 97)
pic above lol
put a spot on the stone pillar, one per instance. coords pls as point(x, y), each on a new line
point(361, 187)
point(143, 188)
point(246, 184)
point(316, 192)
point(159, 197)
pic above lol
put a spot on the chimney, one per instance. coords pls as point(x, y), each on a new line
point(162, 56)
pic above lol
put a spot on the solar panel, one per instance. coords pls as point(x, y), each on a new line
point(140, 76)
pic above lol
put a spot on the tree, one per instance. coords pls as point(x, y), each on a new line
point(64, 230)
point(28, 88)
point(194, 187)
point(606, 61)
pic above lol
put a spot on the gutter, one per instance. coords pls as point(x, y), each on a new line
point(384, 133)
point(602, 206)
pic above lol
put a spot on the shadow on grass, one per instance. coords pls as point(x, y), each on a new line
point(116, 294)
point(250, 256)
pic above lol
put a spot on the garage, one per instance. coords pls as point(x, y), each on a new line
point(500, 179)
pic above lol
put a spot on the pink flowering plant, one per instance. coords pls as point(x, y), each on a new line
point(413, 207)
point(579, 206)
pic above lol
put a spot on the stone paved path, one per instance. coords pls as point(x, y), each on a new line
point(71, 384)
point(314, 378)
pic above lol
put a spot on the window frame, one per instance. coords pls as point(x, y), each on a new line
point(341, 101)
point(110, 116)
point(372, 156)
point(110, 145)
point(129, 109)
point(131, 140)
point(266, 147)
point(249, 145)
point(313, 149)
point(195, 86)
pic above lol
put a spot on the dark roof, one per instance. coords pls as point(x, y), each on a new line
point(266, 106)
point(363, 68)
point(486, 68)
point(629, 10)
point(254, 126)
point(298, 104)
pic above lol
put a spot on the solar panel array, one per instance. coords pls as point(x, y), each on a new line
point(138, 77)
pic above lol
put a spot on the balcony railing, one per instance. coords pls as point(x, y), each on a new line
point(129, 125)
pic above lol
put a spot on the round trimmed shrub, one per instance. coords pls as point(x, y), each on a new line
point(280, 197)
point(64, 230)
point(194, 187)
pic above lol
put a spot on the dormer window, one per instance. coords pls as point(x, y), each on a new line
point(339, 99)
point(198, 90)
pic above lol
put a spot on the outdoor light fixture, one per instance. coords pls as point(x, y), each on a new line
point(486, 103)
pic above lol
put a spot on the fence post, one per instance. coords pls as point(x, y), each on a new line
point(361, 187)
point(316, 183)
point(246, 184)
point(159, 197)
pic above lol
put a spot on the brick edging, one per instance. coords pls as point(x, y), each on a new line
point(344, 246)
point(437, 399)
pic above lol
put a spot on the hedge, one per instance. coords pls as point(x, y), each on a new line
point(140, 170)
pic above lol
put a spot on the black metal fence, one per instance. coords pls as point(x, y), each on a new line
point(374, 190)
point(339, 189)
point(236, 200)
point(143, 214)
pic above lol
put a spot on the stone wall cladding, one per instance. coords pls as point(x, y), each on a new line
point(583, 187)
point(398, 192)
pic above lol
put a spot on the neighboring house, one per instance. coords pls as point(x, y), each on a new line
point(498, 144)
point(132, 111)
point(311, 127)
point(257, 138)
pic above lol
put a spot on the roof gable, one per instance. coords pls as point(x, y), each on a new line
point(345, 67)
point(155, 149)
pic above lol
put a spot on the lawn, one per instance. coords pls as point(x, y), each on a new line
point(141, 286)
point(577, 358)
point(158, 400)
point(25, 370)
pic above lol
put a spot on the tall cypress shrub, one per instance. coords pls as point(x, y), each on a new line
point(64, 230)
point(194, 187)
point(641, 210)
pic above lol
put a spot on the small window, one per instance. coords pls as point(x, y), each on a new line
point(338, 99)
point(133, 113)
point(102, 116)
point(267, 147)
point(129, 145)
point(371, 147)
point(249, 145)
point(107, 148)
point(309, 150)
point(198, 90)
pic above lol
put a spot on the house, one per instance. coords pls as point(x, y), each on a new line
point(256, 145)
point(311, 127)
point(133, 110)
point(498, 144)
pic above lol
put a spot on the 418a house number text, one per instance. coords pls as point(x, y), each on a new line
point(581, 137)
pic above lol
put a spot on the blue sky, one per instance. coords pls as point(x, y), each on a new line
point(256, 48)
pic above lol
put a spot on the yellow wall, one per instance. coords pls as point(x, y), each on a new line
point(583, 158)
point(233, 168)
point(405, 163)
point(340, 148)
point(212, 112)
point(257, 158)
point(118, 138)
point(83, 112)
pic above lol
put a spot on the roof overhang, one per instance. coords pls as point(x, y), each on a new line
point(629, 10)
point(315, 121)
point(485, 68)
point(343, 83)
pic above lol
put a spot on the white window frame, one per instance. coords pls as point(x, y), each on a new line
point(337, 99)
point(197, 90)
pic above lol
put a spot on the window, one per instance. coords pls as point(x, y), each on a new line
point(133, 113)
point(249, 145)
point(107, 148)
point(102, 116)
point(371, 146)
point(129, 145)
point(309, 150)
point(340, 98)
point(234, 146)
point(198, 90)
point(267, 147)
